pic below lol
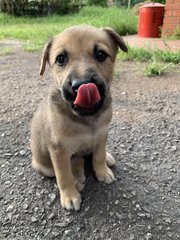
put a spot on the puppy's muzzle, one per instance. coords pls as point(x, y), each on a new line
point(93, 91)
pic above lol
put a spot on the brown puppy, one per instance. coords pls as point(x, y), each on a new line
point(73, 120)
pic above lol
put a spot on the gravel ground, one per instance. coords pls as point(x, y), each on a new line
point(144, 202)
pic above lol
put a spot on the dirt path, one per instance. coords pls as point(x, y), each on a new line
point(144, 202)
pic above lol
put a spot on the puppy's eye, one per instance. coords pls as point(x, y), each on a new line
point(100, 55)
point(61, 59)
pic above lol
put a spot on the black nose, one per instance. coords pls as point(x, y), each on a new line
point(76, 83)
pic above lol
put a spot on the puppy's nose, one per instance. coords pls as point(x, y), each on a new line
point(76, 83)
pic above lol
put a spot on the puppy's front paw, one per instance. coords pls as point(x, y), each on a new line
point(110, 160)
point(105, 175)
point(71, 200)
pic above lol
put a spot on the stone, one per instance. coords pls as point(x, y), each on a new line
point(51, 215)
point(33, 219)
point(130, 216)
point(52, 197)
point(131, 237)
point(22, 152)
point(169, 234)
point(111, 214)
point(10, 208)
point(148, 236)
point(167, 219)
point(141, 215)
point(25, 206)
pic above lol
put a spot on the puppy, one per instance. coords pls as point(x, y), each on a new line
point(73, 120)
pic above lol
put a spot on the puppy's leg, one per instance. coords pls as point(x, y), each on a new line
point(41, 162)
point(78, 172)
point(102, 171)
point(70, 197)
point(110, 160)
point(39, 166)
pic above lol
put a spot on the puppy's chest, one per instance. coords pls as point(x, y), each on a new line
point(86, 139)
point(86, 142)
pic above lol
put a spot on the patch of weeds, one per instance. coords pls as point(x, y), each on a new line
point(142, 54)
point(167, 56)
point(159, 61)
point(155, 68)
point(139, 54)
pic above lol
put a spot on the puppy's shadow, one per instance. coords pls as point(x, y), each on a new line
point(88, 167)
point(96, 195)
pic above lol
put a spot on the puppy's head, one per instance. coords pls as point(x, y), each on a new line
point(82, 60)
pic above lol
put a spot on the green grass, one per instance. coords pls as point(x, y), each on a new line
point(159, 61)
point(36, 31)
point(142, 54)
point(155, 68)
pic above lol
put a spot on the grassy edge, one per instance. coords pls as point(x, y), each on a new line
point(36, 31)
point(159, 61)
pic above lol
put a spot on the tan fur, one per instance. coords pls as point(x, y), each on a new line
point(59, 137)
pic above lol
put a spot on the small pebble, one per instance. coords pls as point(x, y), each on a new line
point(87, 208)
point(120, 216)
point(169, 234)
point(174, 148)
point(148, 236)
point(52, 197)
point(10, 207)
point(130, 216)
point(111, 214)
point(25, 206)
point(68, 231)
point(138, 207)
point(167, 219)
point(22, 152)
point(159, 228)
point(132, 237)
point(141, 215)
point(33, 219)
point(51, 215)
point(148, 215)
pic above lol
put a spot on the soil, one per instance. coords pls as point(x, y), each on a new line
point(144, 135)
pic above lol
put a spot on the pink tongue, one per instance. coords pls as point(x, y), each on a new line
point(87, 95)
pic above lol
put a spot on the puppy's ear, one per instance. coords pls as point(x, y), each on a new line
point(117, 38)
point(45, 57)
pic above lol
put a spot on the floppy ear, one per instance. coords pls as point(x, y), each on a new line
point(117, 38)
point(45, 57)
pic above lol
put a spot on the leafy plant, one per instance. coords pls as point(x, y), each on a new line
point(139, 54)
point(155, 68)
point(142, 54)
point(159, 61)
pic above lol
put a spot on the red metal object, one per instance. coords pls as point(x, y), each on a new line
point(150, 20)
